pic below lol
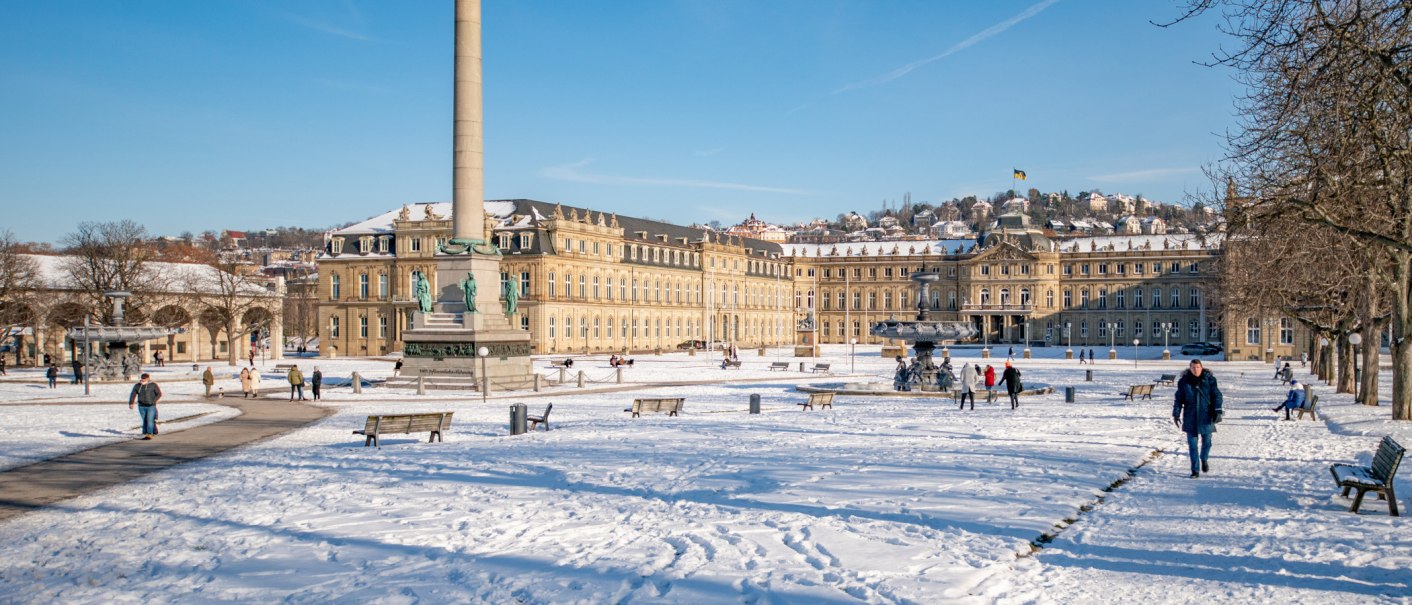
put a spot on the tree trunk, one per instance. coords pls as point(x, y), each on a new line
point(1344, 380)
point(1401, 328)
point(232, 339)
point(1368, 386)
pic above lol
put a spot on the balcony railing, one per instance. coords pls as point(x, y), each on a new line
point(977, 308)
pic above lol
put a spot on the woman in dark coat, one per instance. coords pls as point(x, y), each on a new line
point(1196, 411)
point(1011, 380)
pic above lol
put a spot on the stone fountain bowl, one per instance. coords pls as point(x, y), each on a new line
point(923, 331)
point(884, 389)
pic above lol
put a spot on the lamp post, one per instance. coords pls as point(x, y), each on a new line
point(852, 346)
point(1323, 356)
point(87, 352)
point(1135, 343)
point(1356, 339)
point(484, 378)
point(1068, 339)
point(1166, 331)
point(1112, 340)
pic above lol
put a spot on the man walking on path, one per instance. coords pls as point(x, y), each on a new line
point(53, 375)
point(1293, 400)
point(296, 383)
point(209, 380)
point(78, 370)
point(1196, 411)
point(145, 395)
point(1011, 378)
point(315, 380)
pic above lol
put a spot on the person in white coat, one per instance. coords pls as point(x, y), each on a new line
point(254, 383)
point(968, 385)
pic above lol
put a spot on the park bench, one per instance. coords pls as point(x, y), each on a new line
point(819, 367)
point(730, 363)
point(1312, 410)
point(670, 405)
point(823, 400)
point(779, 365)
point(535, 421)
point(1166, 379)
point(1136, 391)
point(561, 363)
point(393, 424)
point(284, 368)
point(1376, 478)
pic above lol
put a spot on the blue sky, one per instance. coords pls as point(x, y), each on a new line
point(212, 114)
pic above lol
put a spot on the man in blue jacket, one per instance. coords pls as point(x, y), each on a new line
point(1196, 412)
point(1293, 400)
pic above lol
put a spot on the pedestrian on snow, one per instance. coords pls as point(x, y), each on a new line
point(53, 375)
point(208, 379)
point(397, 367)
point(1011, 378)
point(145, 395)
point(2, 364)
point(1287, 374)
point(252, 356)
point(315, 381)
point(568, 363)
point(989, 377)
point(47, 360)
point(244, 383)
point(254, 383)
point(968, 385)
point(1294, 399)
point(296, 383)
point(1303, 359)
point(78, 370)
point(157, 357)
point(1011, 355)
point(1081, 356)
point(1196, 411)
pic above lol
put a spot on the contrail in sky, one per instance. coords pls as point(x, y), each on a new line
point(985, 34)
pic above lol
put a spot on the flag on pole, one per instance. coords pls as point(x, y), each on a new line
point(1019, 174)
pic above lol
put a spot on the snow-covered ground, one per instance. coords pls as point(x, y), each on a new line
point(879, 500)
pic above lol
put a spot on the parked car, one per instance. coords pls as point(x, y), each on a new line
point(699, 345)
point(1201, 348)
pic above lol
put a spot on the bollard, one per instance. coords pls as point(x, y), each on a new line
point(801, 366)
point(537, 378)
point(1088, 375)
point(357, 383)
point(422, 384)
point(619, 370)
point(762, 351)
point(1027, 353)
point(691, 352)
point(518, 415)
point(485, 387)
point(1069, 354)
point(563, 378)
point(580, 379)
point(1068, 394)
point(985, 353)
point(754, 403)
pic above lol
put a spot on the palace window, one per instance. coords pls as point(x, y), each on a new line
point(1103, 298)
point(1118, 299)
point(551, 284)
point(1194, 298)
point(1049, 299)
point(416, 244)
point(526, 241)
point(1176, 298)
point(1137, 298)
point(857, 301)
point(597, 293)
point(1083, 298)
point(363, 286)
point(1286, 331)
point(1157, 298)
point(363, 326)
point(872, 300)
point(551, 328)
point(524, 283)
point(985, 296)
point(1005, 296)
point(382, 286)
point(1252, 331)
point(583, 288)
point(524, 323)
point(1195, 330)
point(333, 326)
point(1083, 329)
point(335, 287)
point(1192, 267)
point(1068, 299)
point(382, 326)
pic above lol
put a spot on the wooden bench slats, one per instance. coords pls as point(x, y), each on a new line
point(535, 421)
point(1312, 410)
point(393, 424)
point(1167, 379)
point(779, 365)
point(1378, 478)
point(1138, 390)
point(819, 367)
point(670, 405)
point(823, 400)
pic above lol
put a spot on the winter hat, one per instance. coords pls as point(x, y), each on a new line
point(1293, 383)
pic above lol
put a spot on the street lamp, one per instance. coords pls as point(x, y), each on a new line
point(852, 346)
point(1112, 340)
point(1135, 343)
point(1068, 338)
point(1166, 331)
point(484, 377)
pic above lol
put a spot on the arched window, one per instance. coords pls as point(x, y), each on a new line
point(1025, 296)
point(985, 296)
point(1004, 296)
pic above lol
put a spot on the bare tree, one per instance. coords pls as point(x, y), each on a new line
point(1325, 133)
point(104, 257)
point(225, 292)
point(19, 280)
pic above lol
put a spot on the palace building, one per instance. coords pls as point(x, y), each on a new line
point(592, 281)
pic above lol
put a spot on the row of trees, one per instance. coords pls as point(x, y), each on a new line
point(1319, 175)
point(102, 257)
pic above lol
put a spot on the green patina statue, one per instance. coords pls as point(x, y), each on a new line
point(511, 291)
point(422, 288)
point(468, 288)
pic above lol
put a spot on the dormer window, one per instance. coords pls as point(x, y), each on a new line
point(336, 245)
point(526, 241)
point(504, 241)
point(383, 244)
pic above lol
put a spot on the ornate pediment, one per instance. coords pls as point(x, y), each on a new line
point(1004, 251)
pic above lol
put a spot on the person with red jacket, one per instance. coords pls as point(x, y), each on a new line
point(989, 377)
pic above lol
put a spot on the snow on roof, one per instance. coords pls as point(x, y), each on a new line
point(382, 223)
point(1101, 243)
point(171, 277)
point(886, 248)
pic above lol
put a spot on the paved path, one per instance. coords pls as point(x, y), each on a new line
point(30, 487)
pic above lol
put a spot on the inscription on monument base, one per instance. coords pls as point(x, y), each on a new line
point(465, 349)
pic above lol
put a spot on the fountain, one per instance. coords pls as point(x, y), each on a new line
point(117, 363)
point(923, 333)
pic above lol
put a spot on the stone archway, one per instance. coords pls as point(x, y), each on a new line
point(172, 317)
point(214, 321)
point(255, 319)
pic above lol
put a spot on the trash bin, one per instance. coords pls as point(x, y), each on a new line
point(754, 403)
point(518, 422)
point(1068, 394)
point(1088, 375)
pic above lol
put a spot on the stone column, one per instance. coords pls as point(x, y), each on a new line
point(277, 320)
point(468, 164)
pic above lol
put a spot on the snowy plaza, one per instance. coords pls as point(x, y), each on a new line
point(880, 499)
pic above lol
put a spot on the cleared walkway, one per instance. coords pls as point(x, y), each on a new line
point(30, 487)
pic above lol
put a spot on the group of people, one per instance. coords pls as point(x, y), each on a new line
point(971, 380)
point(250, 382)
point(618, 361)
point(1081, 357)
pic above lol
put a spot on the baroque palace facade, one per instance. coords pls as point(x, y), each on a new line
point(596, 282)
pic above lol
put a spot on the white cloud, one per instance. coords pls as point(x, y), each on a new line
point(575, 173)
point(1138, 176)
point(982, 36)
point(709, 152)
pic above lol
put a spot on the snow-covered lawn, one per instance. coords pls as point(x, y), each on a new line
point(878, 500)
point(38, 432)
